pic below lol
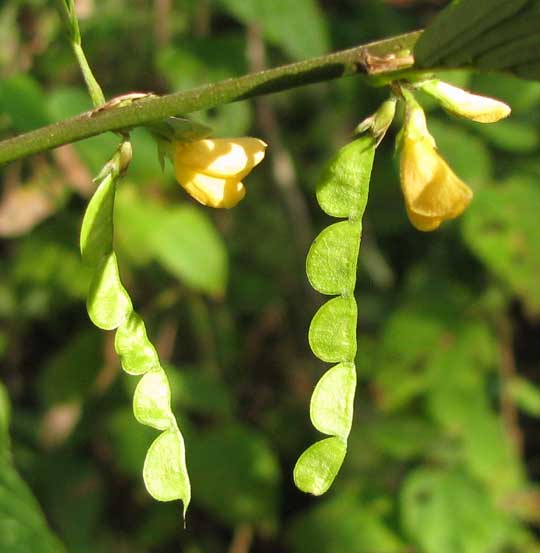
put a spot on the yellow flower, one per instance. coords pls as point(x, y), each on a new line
point(465, 104)
point(433, 193)
point(211, 170)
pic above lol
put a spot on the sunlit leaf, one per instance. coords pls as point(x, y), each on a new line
point(318, 466)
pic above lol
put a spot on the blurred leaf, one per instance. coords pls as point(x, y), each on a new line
point(301, 34)
point(512, 135)
point(332, 402)
point(23, 100)
point(319, 464)
point(501, 228)
point(332, 333)
point(447, 512)
point(526, 395)
point(235, 474)
point(22, 525)
point(344, 523)
point(331, 260)
point(70, 375)
point(199, 392)
point(128, 441)
point(181, 238)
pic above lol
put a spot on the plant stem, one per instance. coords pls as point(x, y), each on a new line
point(381, 59)
point(67, 11)
point(98, 99)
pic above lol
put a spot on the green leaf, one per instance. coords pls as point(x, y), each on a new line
point(447, 512)
point(342, 190)
point(299, 27)
point(346, 523)
point(23, 101)
point(152, 400)
point(332, 333)
point(332, 402)
point(165, 474)
point(331, 261)
point(458, 25)
point(187, 244)
point(236, 474)
point(318, 466)
point(22, 525)
point(97, 225)
point(108, 303)
point(501, 228)
point(137, 354)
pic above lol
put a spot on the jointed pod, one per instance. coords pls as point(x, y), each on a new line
point(109, 307)
point(331, 269)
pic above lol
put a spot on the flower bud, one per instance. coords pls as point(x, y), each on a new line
point(464, 104)
point(432, 191)
point(379, 122)
point(211, 170)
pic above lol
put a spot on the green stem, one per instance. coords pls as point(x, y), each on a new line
point(67, 11)
point(382, 59)
point(98, 99)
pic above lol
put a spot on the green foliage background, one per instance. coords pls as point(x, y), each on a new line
point(443, 453)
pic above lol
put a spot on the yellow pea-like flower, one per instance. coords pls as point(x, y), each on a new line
point(432, 191)
point(465, 104)
point(211, 170)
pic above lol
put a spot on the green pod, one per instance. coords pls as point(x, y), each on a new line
point(342, 191)
point(165, 474)
point(332, 402)
point(332, 333)
point(332, 258)
point(152, 401)
point(318, 466)
point(136, 352)
point(108, 303)
point(96, 240)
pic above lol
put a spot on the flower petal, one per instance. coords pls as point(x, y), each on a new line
point(221, 157)
point(210, 191)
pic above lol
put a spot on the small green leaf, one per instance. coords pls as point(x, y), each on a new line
point(460, 24)
point(343, 188)
point(152, 400)
point(331, 261)
point(97, 225)
point(108, 303)
point(136, 352)
point(332, 402)
point(318, 466)
point(332, 333)
point(164, 473)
